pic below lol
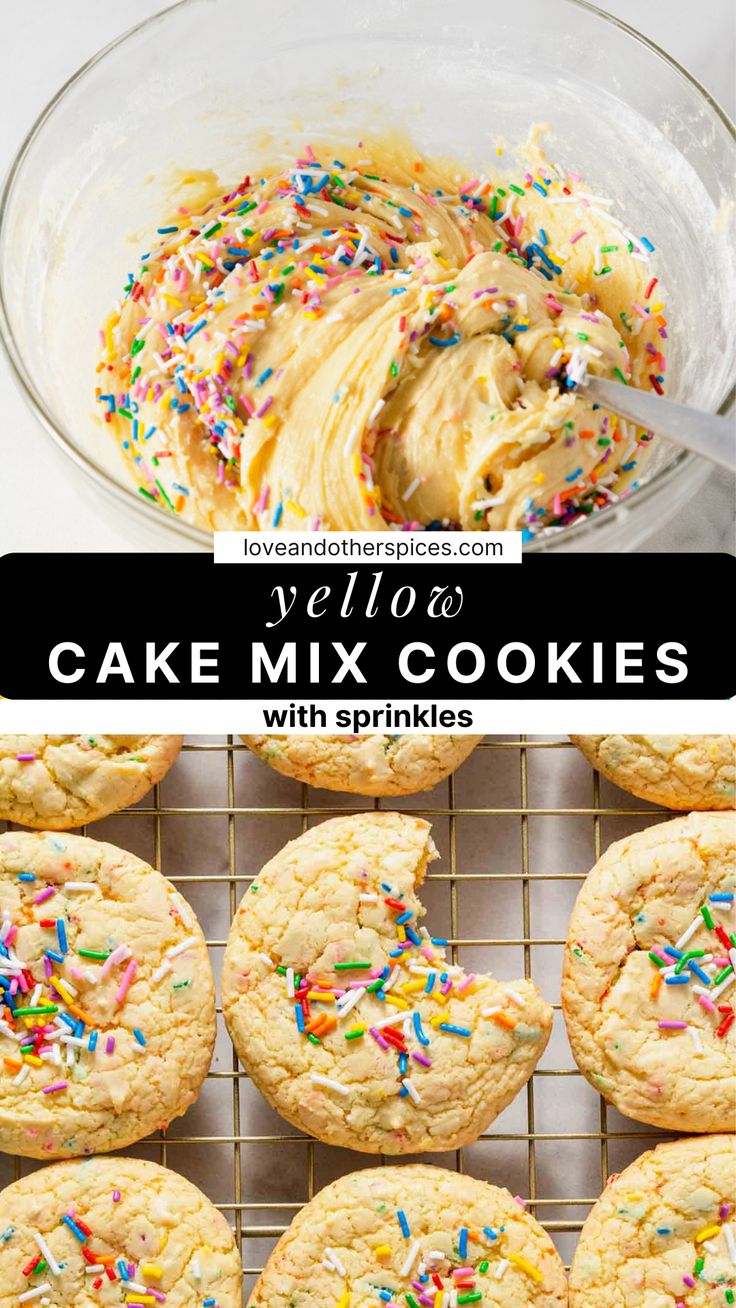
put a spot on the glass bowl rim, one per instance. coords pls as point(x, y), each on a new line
point(126, 495)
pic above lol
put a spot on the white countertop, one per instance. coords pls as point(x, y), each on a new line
point(43, 506)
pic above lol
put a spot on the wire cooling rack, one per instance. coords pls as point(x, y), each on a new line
point(518, 827)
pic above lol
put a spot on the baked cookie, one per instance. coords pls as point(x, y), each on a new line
point(415, 1235)
point(347, 1014)
point(108, 1017)
point(57, 782)
point(663, 1231)
point(683, 772)
point(105, 1231)
point(365, 765)
point(648, 978)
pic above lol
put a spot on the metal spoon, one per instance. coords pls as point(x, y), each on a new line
point(703, 433)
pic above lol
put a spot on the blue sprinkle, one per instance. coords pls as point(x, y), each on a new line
point(438, 940)
point(673, 953)
point(54, 955)
point(30, 876)
point(412, 935)
point(699, 973)
point(278, 514)
point(404, 917)
point(456, 1030)
point(166, 231)
point(451, 340)
point(430, 984)
point(682, 980)
point(574, 475)
point(139, 1036)
point(489, 1231)
point(462, 1243)
point(75, 1230)
point(405, 1231)
point(526, 535)
point(421, 1037)
point(61, 933)
point(538, 187)
point(267, 372)
point(723, 897)
point(299, 1016)
point(193, 330)
point(647, 244)
point(92, 1042)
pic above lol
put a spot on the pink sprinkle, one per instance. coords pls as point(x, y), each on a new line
point(420, 1058)
point(724, 1211)
point(707, 1003)
point(116, 956)
point(470, 978)
point(310, 155)
point(45, 894)
point(25, 758)
point(262, 207)
point(264, 407)
point(672, 1026)
point(55, 1085)
point(126, 982)
point(110, 1044)
point(518, 1200)
point(577, 235)
point(116, 1196)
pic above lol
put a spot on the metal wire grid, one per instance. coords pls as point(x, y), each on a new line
point(254, 1233)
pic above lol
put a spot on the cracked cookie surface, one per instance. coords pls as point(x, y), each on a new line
point(365, 765)
point(392, 1234)
point(663, 1232)
point(57, 782)
point(648, 979)
point(108, 1018)
point(346, 1012)
point(680, 772)
point(106, 1231)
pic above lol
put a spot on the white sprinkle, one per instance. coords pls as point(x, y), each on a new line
point(710, 1247)
point(330, 1084)
point(351, 999)
point(35, 1293)
point(94, 1268)
point(391, 980)
point(516, 998)
point(368, 899)
point(352, 438)
point(23, 1073)
point(414, 485)
point(480, 505)
point(80, 885)
point(265, 959)
point(179, 949)
point(161, 972)
point(196, 1270)
point(391, 1020)
point(491, 1012)
point(716, 994)
point(336, 1263)
point(501, 1268)
point(52, 1264)
point(410, 1259)
point(181, 908)
point(696, 1039)
point(689, 933)
point(136, 1285)
point(412, 1091)
point(290, 982)
point(730, 1241)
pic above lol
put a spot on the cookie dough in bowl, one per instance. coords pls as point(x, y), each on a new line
point(682, 772)
point(663, 1231)
point(414, 1235)
point(365, 765)
point(648, 979)
point(346, 1012)
point(58, 782)
point(103, 1231)
point(108, 1018)
point(368, 340)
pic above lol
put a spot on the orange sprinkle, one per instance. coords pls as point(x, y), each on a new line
point(502, 1019)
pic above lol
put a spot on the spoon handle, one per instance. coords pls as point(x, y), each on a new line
point(707, 434)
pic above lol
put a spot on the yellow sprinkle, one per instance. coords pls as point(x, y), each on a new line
point(440, 999)
point(556, 341)
point(707, 1233)
point(33, 1060)
point(657, 308)
point(208, 264)
point(65, 994)
point(320, 995)
point(410, 987)
point(293, 507)
point(525, 1266)
point(444, 262)
point(171, 299)
point(151, 1269)
point(401, 933)
point(397, 1001)
point(539, 478)
point(308, 313)
point(270, 421)
point(382, 1250)
point(344, 1300)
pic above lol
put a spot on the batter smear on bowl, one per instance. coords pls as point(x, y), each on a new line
point(373, 342)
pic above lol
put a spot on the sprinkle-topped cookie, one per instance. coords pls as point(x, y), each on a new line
point(107, 1016)
point(347, 1013)
point(412, 1237)
point(114, 1231)
point(367, 340)
point(57, 782)
point(365, 765)
point(663, 1231)
point(648, 981)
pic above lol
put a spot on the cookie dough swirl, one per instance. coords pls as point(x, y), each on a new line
point(367, 344)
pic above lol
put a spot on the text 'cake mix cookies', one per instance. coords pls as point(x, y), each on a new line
point(365, 765)
point(346, 1012)
point(648, 982)
point(412, 1235)
point(108, 1011)
point(682, 772)
point(365, 340)
point(58, 782)
point(112, 1231)
point(663, 1231)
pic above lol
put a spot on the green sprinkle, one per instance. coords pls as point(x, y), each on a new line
point(136, 347)
point(100, 954)
point(722, 975)
point(355, 1035)
point(36, 1008)
point(659, 962)
point(165, 496)
point(470, 1298)
point(312, 1038)
point(582, 336)
point(620, 376)
point(394, 370)
point(483, 1267)
point(683, 962)
point(516, 189)
point(180, 985)
point(351, 967)
point(707, 917)
point(125, 413)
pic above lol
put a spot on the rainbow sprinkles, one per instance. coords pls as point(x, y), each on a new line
point(375, 342)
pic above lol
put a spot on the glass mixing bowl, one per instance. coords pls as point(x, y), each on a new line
point(220, 85)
